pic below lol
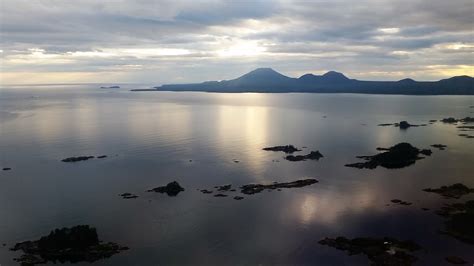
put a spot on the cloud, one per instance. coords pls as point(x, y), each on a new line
point(185, 41)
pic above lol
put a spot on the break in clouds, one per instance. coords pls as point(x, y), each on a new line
point(186, 41)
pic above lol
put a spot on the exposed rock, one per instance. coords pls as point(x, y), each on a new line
point(6, 169)
point(257, 188)
point(398, 156)
point(172, 189)
point(285, 149)
point(459, 220)
point(128, 196)
point(77, 244)
point(205, 191)
point(466, 127)
point(238, 198)
point(455, 260)
point(314, 155)
point(386, 124)
point(439, 146)
point(404, 125)
point(433, 121)
point(454, 191)
point(102, 156)
point(400, 202)
point(220, 195)
point(425, 209)
point(380, 251)
point(77, 159)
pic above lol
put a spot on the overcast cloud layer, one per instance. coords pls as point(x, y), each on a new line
point(185, 41)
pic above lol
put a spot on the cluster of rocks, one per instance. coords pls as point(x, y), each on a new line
point(454, 191)
point(398, 156)
point(289, 149)
point(380, 251)
point(77, 244)
point(250, 189)
point(452, 120)
point(81, 158)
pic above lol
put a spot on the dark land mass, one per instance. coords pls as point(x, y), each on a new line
point(314, 155)
point(285, 149)
point(257, 188)
point(454, 191)
point(459, 220)
point(380, 251)
point(77, 244)
point(398, 156)
point(268, 80)
point(172, 189)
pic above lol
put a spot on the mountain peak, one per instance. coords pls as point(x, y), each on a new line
point(333, 75)
point(263, 74)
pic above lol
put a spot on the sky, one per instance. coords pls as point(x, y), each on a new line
point(170, 41)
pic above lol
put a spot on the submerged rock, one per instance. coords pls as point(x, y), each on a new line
point(77, 244)
point(77, 159)
point(257, 188)
point(380, 251)
point(314, 155)
point(172, 189)
point(454, 191)
point(128, 196)
point(238, 198)
point(459, 220)
point(398, 156)
point(285, 149)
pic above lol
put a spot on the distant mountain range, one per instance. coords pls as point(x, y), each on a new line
point(268, 80)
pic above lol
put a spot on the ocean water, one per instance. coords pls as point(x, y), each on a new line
point(153, 138)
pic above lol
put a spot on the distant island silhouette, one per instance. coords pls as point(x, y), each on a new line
point(270, 81)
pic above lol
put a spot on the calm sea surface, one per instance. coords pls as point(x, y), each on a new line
point(152, 138)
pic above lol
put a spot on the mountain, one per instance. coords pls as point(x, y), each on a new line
point(269, 80)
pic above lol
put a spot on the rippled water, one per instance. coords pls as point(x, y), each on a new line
point(152, 138)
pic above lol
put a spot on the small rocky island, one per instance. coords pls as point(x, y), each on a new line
point(286, 149)
point(257, 188)
point(77, 159)
point(172, 189)
point(380, 251)
point(314, 155)
point(454, 191)
point(398, 156)
point(77, 244)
